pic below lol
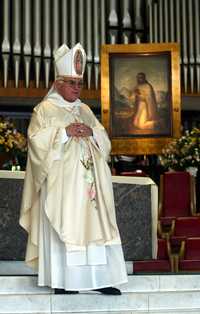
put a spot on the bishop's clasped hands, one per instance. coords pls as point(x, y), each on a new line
point(78, 129)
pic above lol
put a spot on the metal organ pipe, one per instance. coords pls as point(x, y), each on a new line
point(56, 21)
point(155, 22)
point(139, 25)
point(27, 48)
point(113, 21)
point(6, 39)
point(178, 25)
point(55, 32)
point(166, 20)
point(191, 44)
point(184, 45)
point(96, 31)
point(126, 16)
point(103, 21)
point(89, 30)
point(171, 21)
point(113, 16)
point(191, 32)
point(96, 42)
point(73, 22)
point(197, 29)
point(126, 22)
point(16, 46)
point(160, 17)
point(178, 21)
point(47, 41)
point(81, 22)
point(89, 42)
point(17, 26)
point(197, 41)
point(27, 27)
point(37, 48)
point(150, 13)
point(64, 19)
point(126, 37)
point(46, 28)
point(6, 27)
point(184, 32)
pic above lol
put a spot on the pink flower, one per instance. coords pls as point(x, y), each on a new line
point(92, 192)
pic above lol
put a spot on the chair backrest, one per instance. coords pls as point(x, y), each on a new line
point(187, 226)
point(192, 249)
point(175, 194)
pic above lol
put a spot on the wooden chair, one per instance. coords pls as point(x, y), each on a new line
point(176, 199)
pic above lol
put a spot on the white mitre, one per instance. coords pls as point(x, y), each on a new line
point(70, 62)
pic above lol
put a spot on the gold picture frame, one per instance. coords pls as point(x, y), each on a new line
point(140, 96)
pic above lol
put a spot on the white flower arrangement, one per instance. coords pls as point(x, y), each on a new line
point(183, 152)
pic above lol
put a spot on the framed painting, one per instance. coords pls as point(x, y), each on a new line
point(140, 96)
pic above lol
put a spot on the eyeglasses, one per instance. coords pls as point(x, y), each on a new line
point(73, 83)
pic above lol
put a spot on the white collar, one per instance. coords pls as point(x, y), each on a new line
point(58, 100)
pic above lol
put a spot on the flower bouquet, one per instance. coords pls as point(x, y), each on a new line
point(182, 153)
point(13, 144)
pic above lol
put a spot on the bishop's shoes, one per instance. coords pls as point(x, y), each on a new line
point(107, 290)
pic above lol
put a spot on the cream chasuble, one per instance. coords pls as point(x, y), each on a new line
point(77, 207)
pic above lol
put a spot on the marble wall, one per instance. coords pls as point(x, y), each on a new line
point(12, 237)
point(133, 210)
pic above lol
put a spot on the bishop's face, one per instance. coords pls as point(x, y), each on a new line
point(69, 88)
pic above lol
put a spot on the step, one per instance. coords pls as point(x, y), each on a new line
point(20, 268)
point(136, 284)
point(142, 294)
point(130, 303)
point(15, 268)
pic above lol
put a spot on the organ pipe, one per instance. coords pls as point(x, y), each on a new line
point(16, 46)
point(27, 48)
point(47, 41)
point(6, 40)
point(37, 48)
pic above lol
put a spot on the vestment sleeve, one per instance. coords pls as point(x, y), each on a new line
point(100, 137)
point(44, 146)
